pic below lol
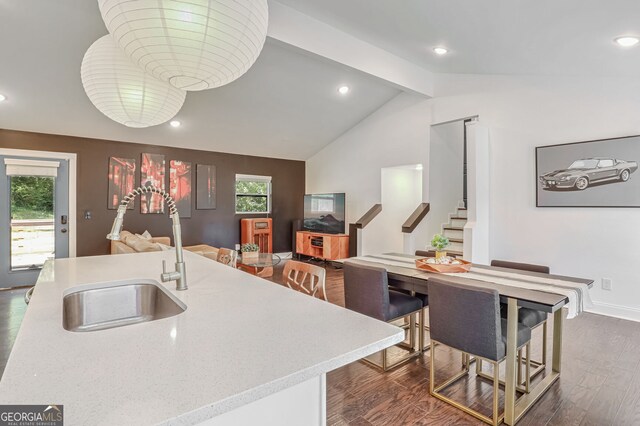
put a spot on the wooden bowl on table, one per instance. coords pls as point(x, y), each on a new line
point(442, 268)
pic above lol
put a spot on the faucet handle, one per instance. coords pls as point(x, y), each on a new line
point(165, 276)
point(168, 276)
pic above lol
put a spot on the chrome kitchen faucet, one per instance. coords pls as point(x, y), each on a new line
point(180, 274)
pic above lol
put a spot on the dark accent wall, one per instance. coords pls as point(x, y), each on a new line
point(219, 228)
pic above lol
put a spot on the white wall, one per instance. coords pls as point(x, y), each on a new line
point(401, 193)
point(395, 135)
point(446, 156)
point(521, 112)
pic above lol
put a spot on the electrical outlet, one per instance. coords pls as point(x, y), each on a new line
point(607, 284)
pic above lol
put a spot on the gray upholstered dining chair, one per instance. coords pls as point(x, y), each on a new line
point(366, 290)
point(532, 318)
point(467, 318)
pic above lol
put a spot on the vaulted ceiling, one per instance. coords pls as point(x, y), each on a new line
point(287, 105)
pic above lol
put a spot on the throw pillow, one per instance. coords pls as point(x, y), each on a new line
point(146, 235)
point(141, 244)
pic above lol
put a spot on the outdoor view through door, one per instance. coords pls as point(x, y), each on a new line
point(32, 221)
point(34, 216)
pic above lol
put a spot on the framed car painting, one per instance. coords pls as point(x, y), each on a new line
point(600, 173)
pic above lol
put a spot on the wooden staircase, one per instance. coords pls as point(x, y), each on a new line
point(454, 230)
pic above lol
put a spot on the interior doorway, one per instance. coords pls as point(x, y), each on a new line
point(401, 193)
point(447, 173)
point(459, 186)
point(35, 214)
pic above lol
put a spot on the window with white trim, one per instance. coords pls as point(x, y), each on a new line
point(253, 194)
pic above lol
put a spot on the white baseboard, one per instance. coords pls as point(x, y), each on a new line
point(616, 311)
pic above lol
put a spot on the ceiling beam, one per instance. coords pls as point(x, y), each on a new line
point(294, 28)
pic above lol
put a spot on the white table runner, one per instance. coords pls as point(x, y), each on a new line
point(577, 293)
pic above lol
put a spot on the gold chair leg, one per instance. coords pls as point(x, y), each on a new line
point(384, 360)
point(386, 365)
point(496, 399)
point(465, 360)
point(432, 368)
point(434, 390)
point(412, 331)
point(544, 342)
point(423, 317)
point(406, 325)
point(522, 383)
point(519, 371)
point(538, 367)
point(527, 379)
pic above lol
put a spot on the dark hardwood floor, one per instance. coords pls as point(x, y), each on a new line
point(12, 309)
point(600, 383)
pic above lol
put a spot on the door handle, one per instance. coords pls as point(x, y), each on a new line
point(27, 295)
point(63, 230)
point(63, 220)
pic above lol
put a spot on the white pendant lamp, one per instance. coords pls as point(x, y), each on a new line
point(122, 91)
point(192, 44)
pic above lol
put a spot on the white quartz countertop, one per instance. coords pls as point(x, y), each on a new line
point(241, 338)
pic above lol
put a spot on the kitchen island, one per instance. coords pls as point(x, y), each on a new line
point(245, 350)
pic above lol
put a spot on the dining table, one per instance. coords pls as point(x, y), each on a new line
point(544, 292)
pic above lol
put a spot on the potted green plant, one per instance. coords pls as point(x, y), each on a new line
point(250, 252)
point(440, 243)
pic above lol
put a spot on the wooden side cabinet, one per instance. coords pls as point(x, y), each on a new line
point(260, 232)
point(257, 231)
point(322, 246)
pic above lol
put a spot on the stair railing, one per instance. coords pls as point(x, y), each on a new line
point(411, 224)
point(416, 217)
point(355, 230)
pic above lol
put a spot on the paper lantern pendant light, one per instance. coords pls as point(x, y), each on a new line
point(192, 44)
point(124, 92)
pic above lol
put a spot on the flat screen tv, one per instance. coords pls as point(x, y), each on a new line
point(324, 213)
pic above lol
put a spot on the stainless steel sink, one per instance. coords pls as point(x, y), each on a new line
point(111, 305)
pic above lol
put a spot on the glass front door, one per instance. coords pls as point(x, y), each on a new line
point(32, 221)
point(34, 211)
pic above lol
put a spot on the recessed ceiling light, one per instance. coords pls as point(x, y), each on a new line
point(343, 90)
point(627, 41)
point(440, 50)
point(175, 123)
point(2, 97)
